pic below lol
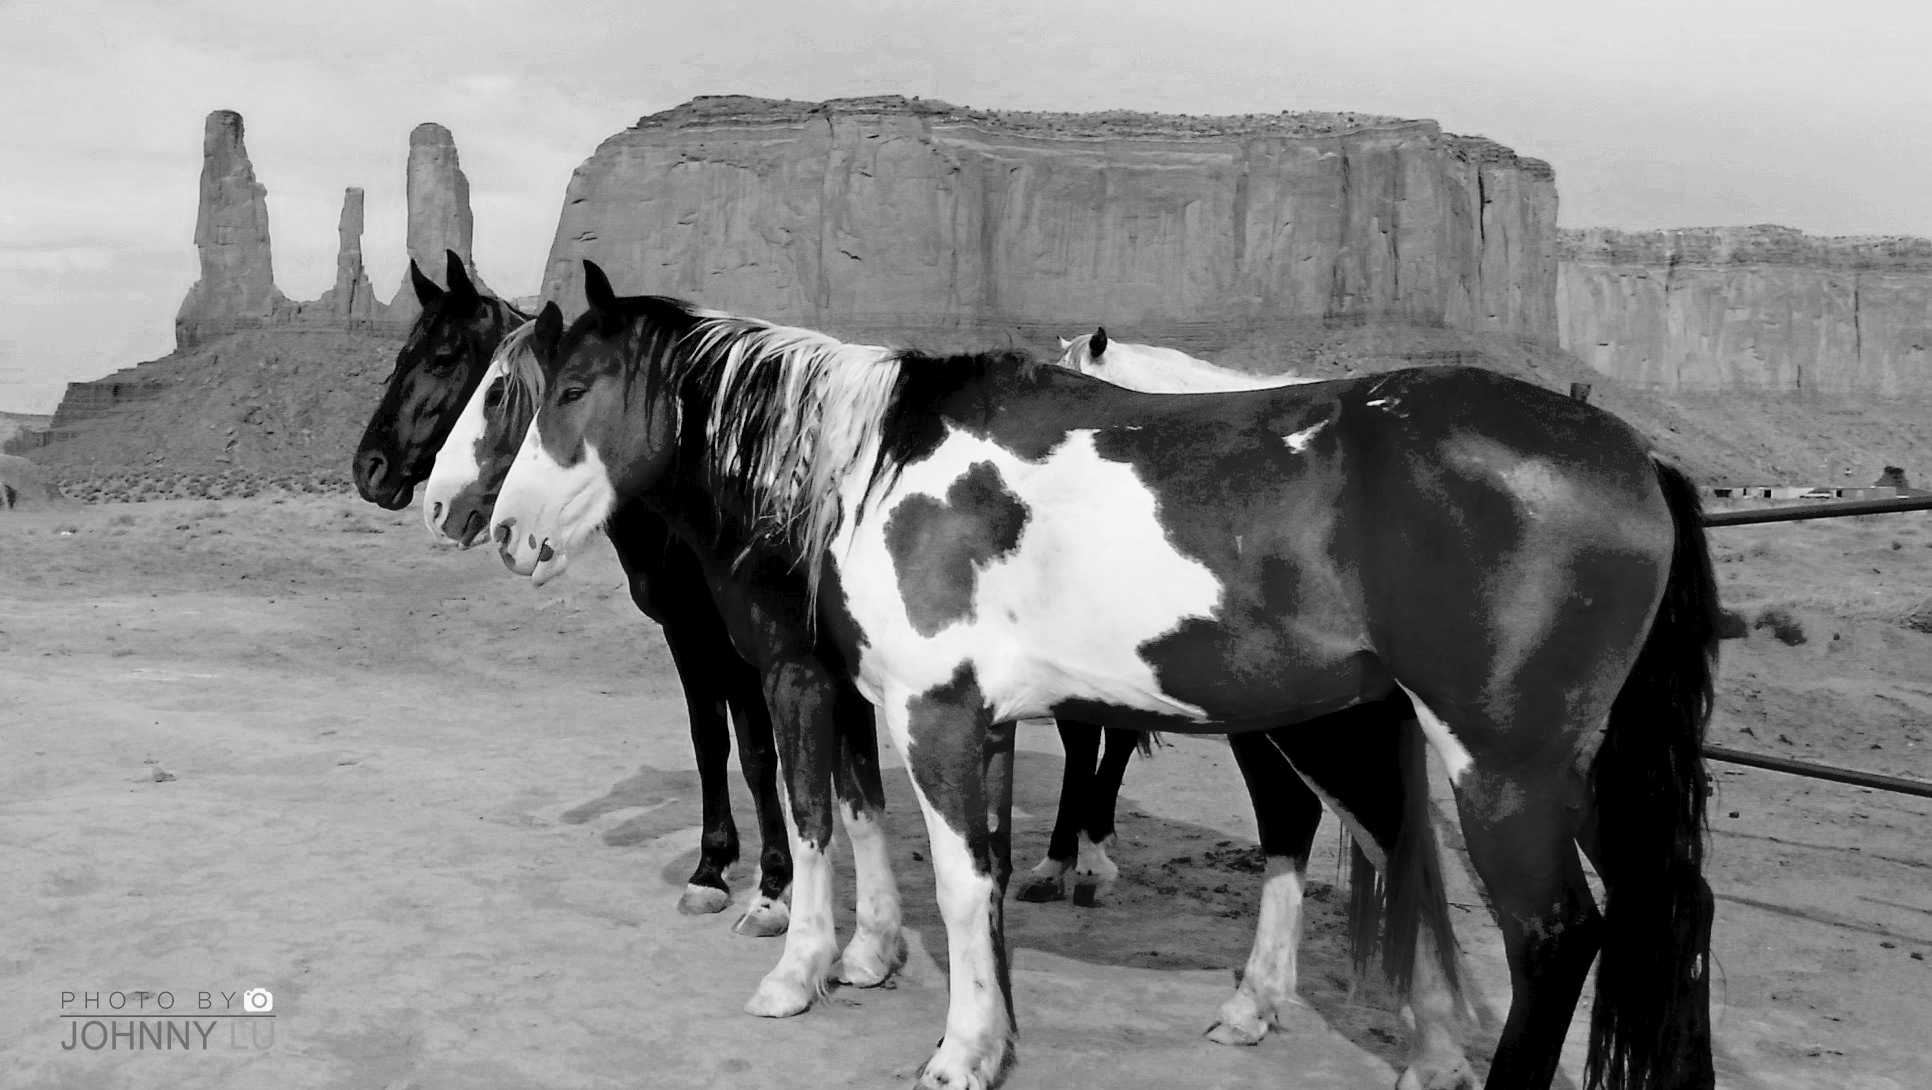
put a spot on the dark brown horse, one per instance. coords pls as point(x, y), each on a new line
point(982, 540)
point(441, 364)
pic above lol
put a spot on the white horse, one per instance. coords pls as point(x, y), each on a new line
point(1155, 370)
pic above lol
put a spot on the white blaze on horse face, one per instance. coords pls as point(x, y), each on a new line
point(456, 465)
point(1049, 619)
point(550, 508)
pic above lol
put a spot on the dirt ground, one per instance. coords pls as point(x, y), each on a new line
point(284, 742)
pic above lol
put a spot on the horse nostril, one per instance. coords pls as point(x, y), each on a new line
point(436, 512)
point(503, 534)
point(473, 527)
point(374, 466)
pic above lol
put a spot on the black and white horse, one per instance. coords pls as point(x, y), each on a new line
point(982, 540)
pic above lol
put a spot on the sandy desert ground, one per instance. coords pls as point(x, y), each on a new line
point(284, 742)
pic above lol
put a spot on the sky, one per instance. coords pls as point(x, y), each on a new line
point(1655, 113)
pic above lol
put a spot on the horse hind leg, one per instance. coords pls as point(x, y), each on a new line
point(1368, 764)
point(1094, 871)
point(1286, 815)
point(1047, 880)
point(1521, 836)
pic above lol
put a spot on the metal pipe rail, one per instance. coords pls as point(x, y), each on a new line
point(1819, 511)
point(1873, 780)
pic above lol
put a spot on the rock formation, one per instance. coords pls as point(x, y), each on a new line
point(1764, 308)
point(237, 285)
point(352, 301)
point(889, 217)
point(439, 213)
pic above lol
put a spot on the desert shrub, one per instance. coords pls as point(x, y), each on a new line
point(1784, 627)
point(1731, 625)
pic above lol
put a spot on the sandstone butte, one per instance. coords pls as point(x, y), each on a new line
point(894, 217)
point(1756, 308)
point(439, 213)
point(237, 286)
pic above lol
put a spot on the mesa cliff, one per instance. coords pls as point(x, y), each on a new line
point(1750, 308)
point(891, 217)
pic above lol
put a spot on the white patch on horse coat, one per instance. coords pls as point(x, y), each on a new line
point(1050, 619)
point(1299, 441)
point(1455, 756)
point(548, 503)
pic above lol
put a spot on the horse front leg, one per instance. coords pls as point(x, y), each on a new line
point(767, 914)
point(878, 948)
point(943, 734)
point(802, 696)
point(701, 654)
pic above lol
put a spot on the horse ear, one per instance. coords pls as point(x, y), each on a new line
point(1099, 343)
point(426, 290)
point(459, 279)
point(544, 338)
point(597, 289)
point(1064, 343)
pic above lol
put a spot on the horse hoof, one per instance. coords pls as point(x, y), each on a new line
point(1039, 891)
point(764, 919)
point(779, 999)
point(703, 900)
point(1227, 1033)
point(1457, 1077)
point(1087, 894)
point(957, 1068)
point(864, 966)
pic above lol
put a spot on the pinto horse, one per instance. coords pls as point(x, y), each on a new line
point(442, 363)
point(462, 491)
point(983, 540)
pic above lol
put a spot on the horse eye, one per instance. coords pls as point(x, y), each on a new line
point(495, 397)
point(571, 394)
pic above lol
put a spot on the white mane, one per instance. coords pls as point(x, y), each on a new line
point(792, 413)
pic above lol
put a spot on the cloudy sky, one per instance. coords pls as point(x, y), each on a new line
point(1655, 113)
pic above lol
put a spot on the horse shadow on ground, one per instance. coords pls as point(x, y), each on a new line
point(1187, 897)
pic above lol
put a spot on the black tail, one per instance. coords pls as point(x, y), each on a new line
point(1411, 892)
point(1651, 1027)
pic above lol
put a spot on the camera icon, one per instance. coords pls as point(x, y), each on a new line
point(258, 1001)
